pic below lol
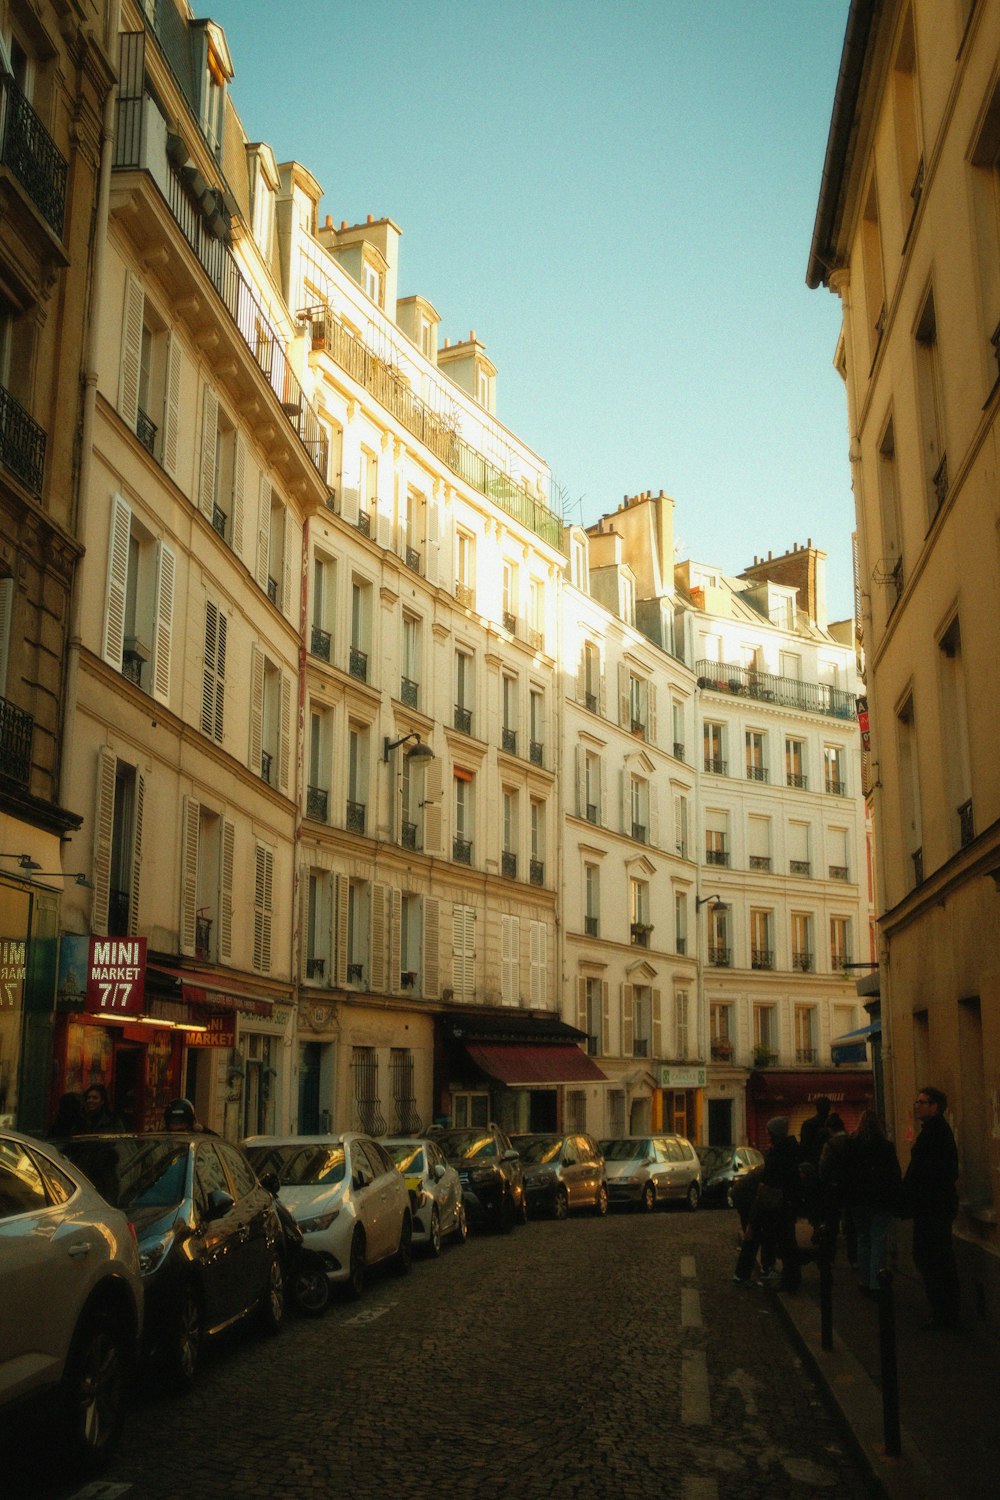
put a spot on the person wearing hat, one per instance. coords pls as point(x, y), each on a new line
point(179, 1115)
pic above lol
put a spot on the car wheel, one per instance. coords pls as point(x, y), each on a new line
point(434, 1240)
point(648, 1200)
point(272, 1302)
point(403, 1258)
point(560, 1204)
point(311, 1290)
point(693, 1196)
point(356, 1268)
point(93, 1393)
point(184, 1351)
point(601, 1201)
point(461, 1226)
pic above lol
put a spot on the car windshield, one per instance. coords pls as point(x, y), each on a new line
point(540, 1148)
point(464, 1145)
point(626, 1150)
point(133, 1173)
point(300, 1166)
point(407, 1156)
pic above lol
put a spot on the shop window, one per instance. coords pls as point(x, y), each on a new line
point(469, 1110)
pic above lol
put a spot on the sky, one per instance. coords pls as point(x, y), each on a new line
point(618, 196)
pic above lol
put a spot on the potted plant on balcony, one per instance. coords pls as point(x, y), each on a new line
point(762, 1055)
point(722, 1049)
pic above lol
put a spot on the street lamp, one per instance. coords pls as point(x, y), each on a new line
point(720, 905)
point(420, 751)
point(25, 861)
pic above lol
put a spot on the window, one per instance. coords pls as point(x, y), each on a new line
point(262, 907)
point(367, 490)
point(319, 898)
point(216, 72)
point(592, 899)
point(373, 283)
point(906, 114)
point(837, 861)
point(591, 676)
point(755, 752)
point(270, 720)
point(404, 1103)
point(765, 1034)
point(279, 556)
point(409, 688)
point(795, 760)
point(871, 267)
point(840, 942)
point(361, 625)
point(680, 921)
point(758, 843)
point(411, 937)
point(509, 595)
point(592, 787)
point(806, 1029)
point(627, 599)
point(213, 692)
point(356, 895)
point(138, 620)
point(593, 1016)
point(578, 565)
point(536, 615)
point(536, 822)
point(931, 410)
point(761, 943)
point(909, 789)
point(464, 690)
point(413, 787)
point(358, 743)
point(149, 376)
point(324, 601)
point(639, 809)
point(640, 925)
point(414, 507)
point(889, 567)
point(223, 471)
point(716, 837)
point(720, 954)
point(368, 1115)
point(463, 810)
point(833, 770)
point(509, 697)
point(508, 856)
point(799, 862)
point(677, 725)
point(682, 1038)
point(637, 699)
point(714, 754)
point(803, 957)
point(720, 1024)
point(117, 846)
point(681, 824)
point(642, 1020)
point(465, 569)
point(536, 726)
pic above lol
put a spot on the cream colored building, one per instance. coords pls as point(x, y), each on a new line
point(908, 235)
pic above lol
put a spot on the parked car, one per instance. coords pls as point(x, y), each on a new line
point(721, 1166)
point(350, 1202)
point(646, 1170)
point(71, 1298)
point(562, 1172)
point(489, 1169)
point(435, 1192)
point(210, 1241)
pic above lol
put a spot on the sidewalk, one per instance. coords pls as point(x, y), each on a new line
point(949, 1387)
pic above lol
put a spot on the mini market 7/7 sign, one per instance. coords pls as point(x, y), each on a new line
point(116, 976)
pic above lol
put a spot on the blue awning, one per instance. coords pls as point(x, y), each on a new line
point(852, 1047)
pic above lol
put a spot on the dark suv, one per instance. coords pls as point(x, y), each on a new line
point(489, 1170)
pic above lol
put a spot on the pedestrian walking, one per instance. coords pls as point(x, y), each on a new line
point(745, 1203)
point(813, 1136)
point(929, 1197)
point(179, 1115)
point(834, 1213)
point(778, 1202)
point(871, 1179)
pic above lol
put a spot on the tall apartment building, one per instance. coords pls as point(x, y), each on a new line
point(56, 74)
point(907, 234)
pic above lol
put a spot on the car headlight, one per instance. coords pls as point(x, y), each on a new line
point(322, 1221)
point(153, 1253)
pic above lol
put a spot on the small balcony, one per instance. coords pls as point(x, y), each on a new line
point(412, 559)
point(590, 926)
point(409, 692)
point(535, 752)
point(714, 766)
point(640, 933)
point(32, 155)
point(508, 864)
point(536, 872)
point(722, 1049)
point(272, 589)
point(786, 692)
point(266, 766)
point(408, 836)
point(319, 643)
point(463, 719)
point(355, 822)
point(835, 787)
point(317, 803)
point(146, 430)
point(799, 867)
point(465, 595)
point(22, 443)
point(762, 958)
point(408, 979)
point(315, 968)
point(678, 750)
point(461, 851)
point(357, 663)
point(639, 832)
point(939, 481)
point(760, 862)
point(720, 958)
point(508, 740)
point(756, 773)
point(355, 973)
point(806, 1055)
point(918, 866)
point(535, 637)
point(838, 872)
point(592, 813)
point(796, 779)
point(803, 961)
point(364, 523)
point(764, 1055)
point(220, 521)
point(203, 938)
point(16, 730)
point(510, 622)
point(590, 701)
point(717, 856)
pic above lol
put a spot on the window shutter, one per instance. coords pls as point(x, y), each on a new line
point(581, 1006)
point(624, 714)
point(104, 827)
point(227, 864)
point(263, 532)
point(209, 440)
point(214, 672)
point(653, 797)
point(395, 938)
point(263, 887)
point(190, 822)
point(625, 802)
point(171, 405)
point(651, 712)
point(305, 950)
point(431, 960)
point(581, 796)
point(287, 597)
point(256, 709)
point(340, 917)
point(581, 675)
point(380, 894)
point(604, 688)
point(539, 964)
point(133, 895)
point(131, 351)
point(433, 792)
point(657, 1023)
point(285, 734)
point(163, 629)
point(605, 1017)
point(510, 943)
point(114, 615)
point(6, 611)
point(628, 1020)
point(603, 811)
point(239, 487)
point(431, 562)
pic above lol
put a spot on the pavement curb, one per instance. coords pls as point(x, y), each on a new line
point(856, 1401)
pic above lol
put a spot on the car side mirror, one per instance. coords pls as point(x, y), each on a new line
point(511, 1156)
point(437, 1171)
point(219, 1204)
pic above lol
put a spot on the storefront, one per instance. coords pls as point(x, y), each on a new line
point(795, 1094)
point(525, 1073)
point(679, 1104)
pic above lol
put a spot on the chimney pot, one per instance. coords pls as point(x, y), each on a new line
point(328, 222)
point(343, 223)
point(371, 219)
point(472, 335)
point(447, 343)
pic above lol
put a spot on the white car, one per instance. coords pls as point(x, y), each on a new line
point(435, 1191)
point(350, 1202)
point(71, 1300)
point(646, 1170)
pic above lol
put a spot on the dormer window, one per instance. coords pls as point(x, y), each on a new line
point(373, 283)
point(216, 73)
point(263, 190)
point(426, 338)
point(483, 387)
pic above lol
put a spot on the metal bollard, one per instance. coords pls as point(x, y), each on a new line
point(887, 1359)
point(825, 1259)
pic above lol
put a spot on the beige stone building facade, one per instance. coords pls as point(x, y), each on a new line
point(908, 235)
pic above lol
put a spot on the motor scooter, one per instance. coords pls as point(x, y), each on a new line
point(305, 1273)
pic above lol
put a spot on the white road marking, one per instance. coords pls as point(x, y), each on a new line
point(690, 1307)
point(368, 1315)
point(101, 1489)
point(688, 1267)
point(696, 1409)
point(745, 1384)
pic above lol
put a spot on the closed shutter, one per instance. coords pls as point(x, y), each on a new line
point(288, 554)
point(539, 964)
point(624, 710)
point(239, 487)
point(171, 405)
point(657, 1021)
point(651, 712)
point(628, 1020)
point(654, 814)
point(262, 557)
point(263, 891)
point(166, 569)
point(209, 441)
point(104, 827)
point(581, 675)
point(463, 956)
point(256, 710)
point(214, 672)
point(190, 824)
point(431, 564)
point(341, 888)
point(6, 611)
point(131, 351)
point(133, 895)
point(380, 895)
point(581, 1006)
point(431, 958)
point(285, 735)
point(114, 614)
point(227, 868)
point(395, 938)
point(510, 946)
point(433, 793)
point(605, 1017)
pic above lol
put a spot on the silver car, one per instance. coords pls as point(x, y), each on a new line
point(435, 1192)
point(562, 1172)
point(650, 1169)
point(71, 1300)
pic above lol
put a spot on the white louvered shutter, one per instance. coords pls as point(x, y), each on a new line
point(288, 555)
point(340, 916)
point(285, 735)
point(510, 956)
point(133, 895)
point(263, 892)
point(226, 871)
point(256, 709)
point(239, 490)
point(539, 963)
point(114, 614)
point(430, 979)
point(131, 351)
point(262, 557)
point(395, 938)
point(104, 827)
point(380, 902)
point(628, 1020)
point(163, 628)
point(190, 825)
point(209, 442)
point(171, 406)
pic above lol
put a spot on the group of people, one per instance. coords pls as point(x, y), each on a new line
point(92, 1113)
point(850, 1181)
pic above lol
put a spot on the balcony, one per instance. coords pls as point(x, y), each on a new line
point(839, 962)
point(266, 766)
point(717, 856)
point(364, 523)
point(799, 867)
point(319, 643)
point(16, 728)
point(794, 778)
point(806, 1055)
point(22, 443)
point(355, 821)
point(639, 832)
point(272, 589)
point(760, 862)
point(317, 803)
point(835, 787)
point(203, 938)
point(838, 872)
point(315, 968)
point(508, 864)
point(722, 1049)
point(966, 826)
point(510, 622)
point(508, 741)
point(32, 155)
point(465, 595)
point(220, 520)
point(463, 719)
point(802, 961)
point(590, 926)
point(786, 692)
point(461, 851)
point(939, 481)
point(408, 979)
point(408, 836)
point(715, 767)
point(720, 958)
point(761, 958)
point(146, 430)
point(355, 973)
point(590, 701)
point(409, 692)
point(764, 1055)
point(535, 749)
point(678, 750)
point(535, 637)
point(536, 872)
point(592, 813)
point(756, 773)
point(412, 559)
point(357, 664)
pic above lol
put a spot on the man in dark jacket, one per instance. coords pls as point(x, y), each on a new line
point(930, 1198)
point(782, 1192)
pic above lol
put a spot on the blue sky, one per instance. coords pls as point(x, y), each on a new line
point(619, 199)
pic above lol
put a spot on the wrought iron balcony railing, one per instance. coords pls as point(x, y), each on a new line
point(760, 862)
point(408, 833)
point(593, 813)
point(639, 832)
point(966, 824)
point(357, 663)
point(461, 851)
point(220, 520)
point(835, 787)
point(716, 856)
point(917, 857)
point(590, 926)
point(799, 867)
point(315, 968)
point(32, 155)
point(146, 430)
point(806, 1054)
point(715, 767)
point(356, 817)
point(16, 729)
point(317, 803)
point(721, 958)
point(838, 872)
point(465, 595)
point(787, 692)
point(761, 958)
point(22, 443)
point(508, 740)
point(364, 523)
point(508, 864)
point(535, 752)
point(203, 938)
point(536, 871)
point(678, 750)
point(756, 773)
point(509, 621)
point(412, 559)
point(795, 778)
point(409, 692)
point(463, 719)
point(319, 643)
point(803, 961)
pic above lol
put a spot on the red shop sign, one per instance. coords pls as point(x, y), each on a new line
point(221, 1032)
point(116, 976)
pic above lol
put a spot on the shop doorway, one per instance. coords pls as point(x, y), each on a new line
point(129, 1087)
point(309, 1064)
point(720, 1123)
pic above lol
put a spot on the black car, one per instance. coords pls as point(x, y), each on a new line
point(210, 1240)
point(489, 1170)
point(562, 1172)
point(720, 1167)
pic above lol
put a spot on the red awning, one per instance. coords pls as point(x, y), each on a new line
point(840, 1087)
point(515, 1063)
point(213, 993)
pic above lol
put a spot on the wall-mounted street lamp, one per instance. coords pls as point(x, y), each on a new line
point(717, 902)
point(25, 861)
point(420, 751)
point(33, 869)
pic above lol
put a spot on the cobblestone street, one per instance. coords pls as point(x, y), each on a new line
point(588, 1358)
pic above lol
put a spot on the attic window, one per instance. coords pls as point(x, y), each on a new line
point(215, 70)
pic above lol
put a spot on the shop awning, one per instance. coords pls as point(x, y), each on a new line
point(805, 1088)
point(519, 1065)
point(852, 1047)
point(212, 992)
